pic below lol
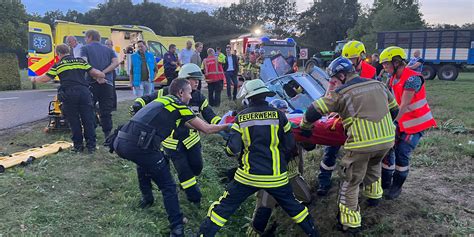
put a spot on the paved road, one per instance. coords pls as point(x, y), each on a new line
point(20, 107)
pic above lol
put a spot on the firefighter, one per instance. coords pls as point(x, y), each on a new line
point(262, 136)
point(414, 117)
point(139, 140)
point(75, 96)
point(183, 146)
point(265, 202)
point(367, 108)
point(355, 52)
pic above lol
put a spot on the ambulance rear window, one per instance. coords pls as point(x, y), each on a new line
point(40, 43)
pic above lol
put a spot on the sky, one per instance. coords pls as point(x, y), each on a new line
point(434, 11)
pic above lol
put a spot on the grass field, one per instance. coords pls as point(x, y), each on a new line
point(27, 85)
point(71, 194)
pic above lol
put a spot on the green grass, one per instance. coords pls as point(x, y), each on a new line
point(27, 85)
point(97, 194)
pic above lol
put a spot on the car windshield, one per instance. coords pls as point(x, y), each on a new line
point(320, 76)
point(298, 91)
point(278, 49)
point(280, 65)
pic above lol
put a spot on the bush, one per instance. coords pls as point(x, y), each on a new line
point(9, 74)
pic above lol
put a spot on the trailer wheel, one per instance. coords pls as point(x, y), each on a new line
point(429, 72)
point(448, 73)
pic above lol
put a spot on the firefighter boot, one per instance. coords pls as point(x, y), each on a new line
point(144, 183)
point(396, 188)
point(323, 190)
point(261, 218)
point(146, 202)
point(309, 227)
point(386, 179)
point(177, 231)
point(346, 229)
point(372, 202)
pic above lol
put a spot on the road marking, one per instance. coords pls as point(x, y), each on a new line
point(51, 95)
point(9, 98)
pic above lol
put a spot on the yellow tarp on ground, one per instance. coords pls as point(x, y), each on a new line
point(31, 154)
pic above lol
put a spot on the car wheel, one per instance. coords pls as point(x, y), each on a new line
point(448, 73)
point(429, 72)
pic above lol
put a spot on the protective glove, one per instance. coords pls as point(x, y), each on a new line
point(226, 115)
point(133, 109)
point(306, 129)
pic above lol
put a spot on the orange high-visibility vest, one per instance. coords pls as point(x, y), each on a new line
point(213, 69)
point(367, 71)
point(419, 116)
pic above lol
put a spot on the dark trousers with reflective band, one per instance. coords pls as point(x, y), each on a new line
point(104, 95)
point(266, 203)
point(188, 164)
point(328, 165)
point(231, 80)
point(237, 193)
point(357, 168)
point(79, 112)
point(396, 164)
point(214, 90)
point(152, 164)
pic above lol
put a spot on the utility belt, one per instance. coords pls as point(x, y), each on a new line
point(144, 141)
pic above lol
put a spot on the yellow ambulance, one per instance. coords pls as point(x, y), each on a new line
point(179, 41)
point(42, 39)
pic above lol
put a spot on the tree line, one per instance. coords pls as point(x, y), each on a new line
point(317, 28)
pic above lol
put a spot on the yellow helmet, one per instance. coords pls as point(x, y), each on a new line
point(353, 49)
point(390, 52)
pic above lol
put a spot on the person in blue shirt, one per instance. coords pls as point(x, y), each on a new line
point(143, 70)
point(104, 59)
point(416, 63)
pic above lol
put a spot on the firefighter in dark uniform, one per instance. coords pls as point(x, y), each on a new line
point(367, 109)
point(265, 202)
point(183, 146)
point(75, 96)
point(139, 141)
point(262, 136)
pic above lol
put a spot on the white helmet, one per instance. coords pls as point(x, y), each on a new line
point(190, 71)
point(253, 88)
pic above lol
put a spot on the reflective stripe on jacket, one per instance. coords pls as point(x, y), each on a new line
point(365, 106)
point(262, 137)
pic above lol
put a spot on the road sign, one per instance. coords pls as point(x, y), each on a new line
point(303, 53)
